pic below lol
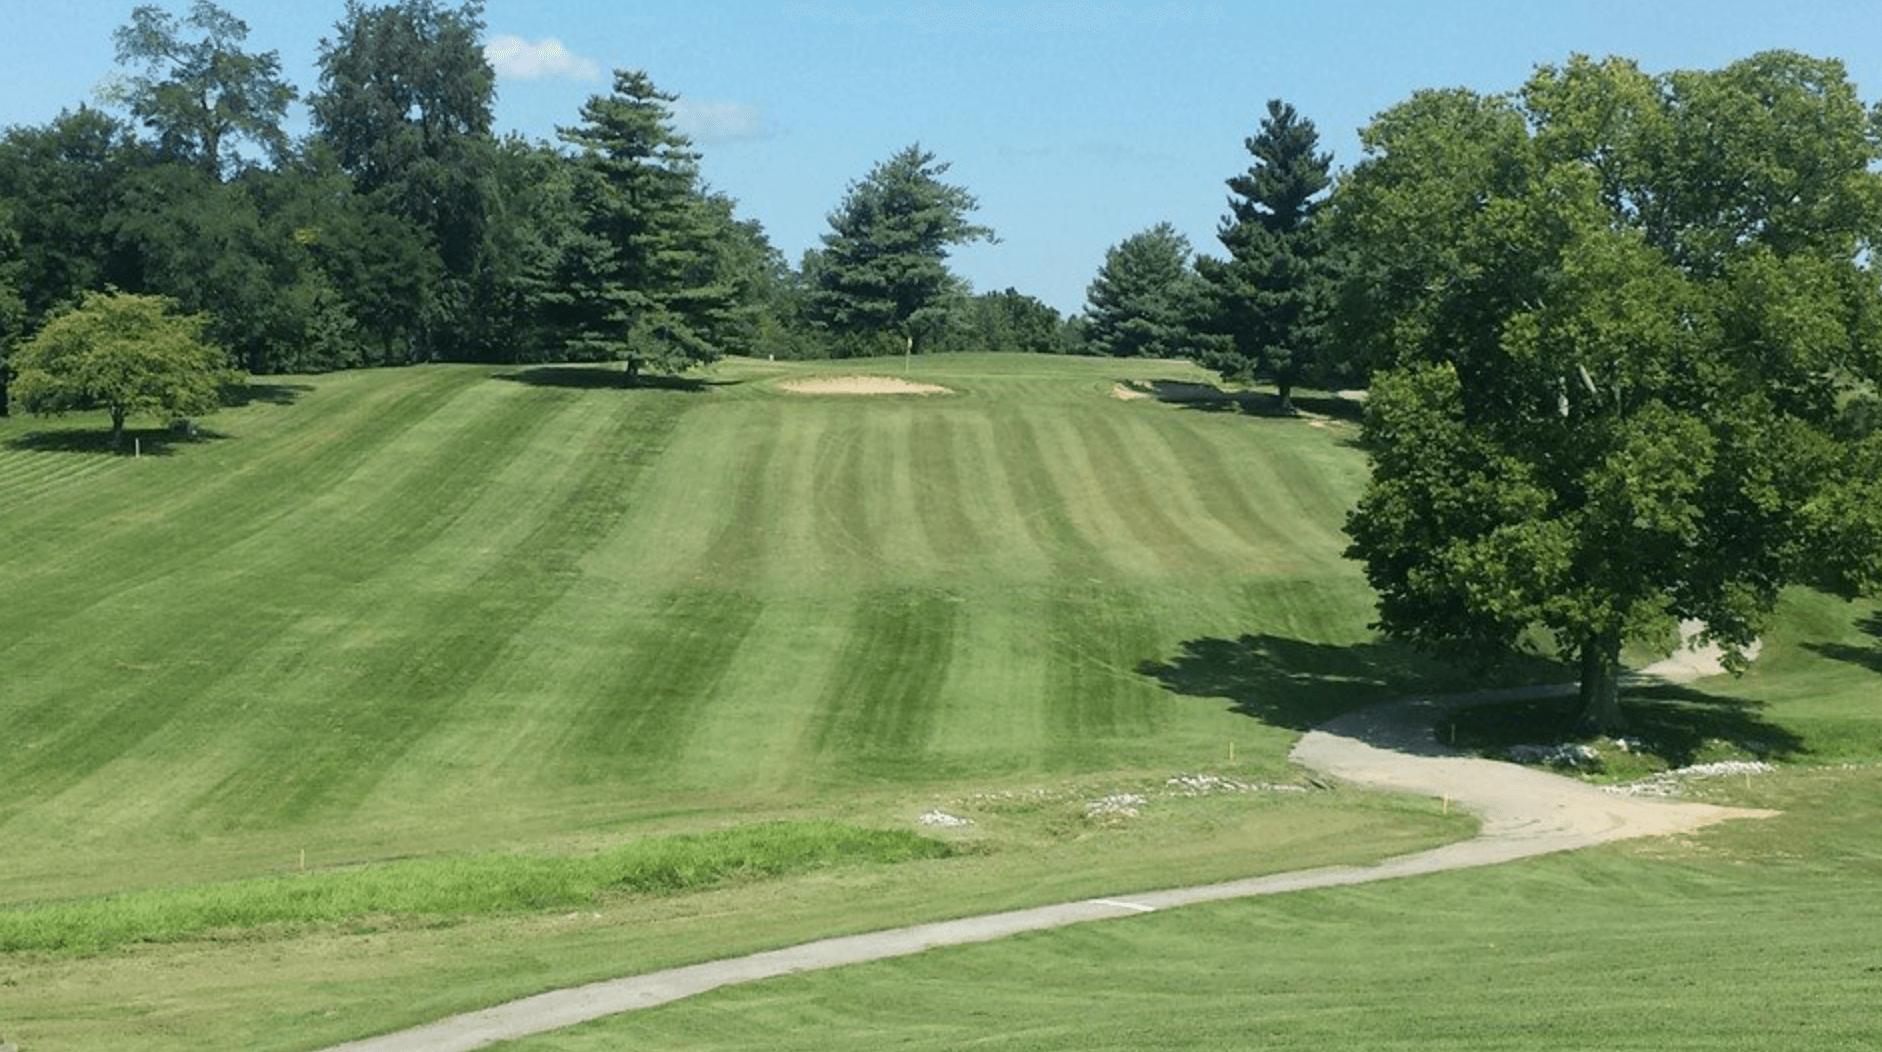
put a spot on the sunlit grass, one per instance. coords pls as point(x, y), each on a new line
point(453, 888)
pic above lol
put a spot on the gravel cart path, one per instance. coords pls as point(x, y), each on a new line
point(1391, 746)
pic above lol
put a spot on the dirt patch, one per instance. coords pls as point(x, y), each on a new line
point(860, 385)
point(1128, 394)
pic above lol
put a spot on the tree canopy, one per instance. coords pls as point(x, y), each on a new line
point(1615, 321)
point(404, 108)
point(124, 354)
point(199, 94)
point(883, 266)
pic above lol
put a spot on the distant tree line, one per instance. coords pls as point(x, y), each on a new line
point(403, 229)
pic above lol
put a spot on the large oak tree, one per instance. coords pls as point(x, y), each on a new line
point(1616, 321)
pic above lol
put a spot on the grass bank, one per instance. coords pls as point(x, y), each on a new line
point(453, 889)
point(1750, 935)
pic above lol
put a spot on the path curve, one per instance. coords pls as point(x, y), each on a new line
point(1391, 747)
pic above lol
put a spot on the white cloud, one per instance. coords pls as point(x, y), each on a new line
point(519, 59)
point(711, 121)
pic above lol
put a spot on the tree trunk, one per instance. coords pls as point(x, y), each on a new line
point(630, 372)
point(1601, 684)
point(1286, 389)
point(117, 427)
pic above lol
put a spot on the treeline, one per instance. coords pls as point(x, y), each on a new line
point(403, 229)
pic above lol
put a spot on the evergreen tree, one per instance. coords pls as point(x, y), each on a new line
point(642, 282)
point(1271, 297)
point(883, 267)
point(1146, 300)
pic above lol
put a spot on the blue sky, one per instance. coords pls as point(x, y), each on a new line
point(1076, 123)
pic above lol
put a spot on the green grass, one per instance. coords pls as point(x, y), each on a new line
point(455, 888)
point(1755, 935)
point(403, 621)
point(1809, 698)
point(417, 611)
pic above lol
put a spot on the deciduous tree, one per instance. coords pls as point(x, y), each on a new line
point(404, 104)
point(66, 180)
point(124, 354)
point(1615, 320)
point(198, 95)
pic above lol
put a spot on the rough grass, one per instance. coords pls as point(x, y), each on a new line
point(453, 888)
point(1748, 936)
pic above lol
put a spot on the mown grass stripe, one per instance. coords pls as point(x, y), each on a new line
point(845, 526)
point(1097, 638)
point(654, 685)
point(1154, 493)
point(878, 712)
point(1042, 507)
point(514, 540)
point(1116, 512)
point(416, 676)
point(170, 508)
point(938, 442)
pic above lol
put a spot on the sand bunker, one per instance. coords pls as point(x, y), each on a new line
point(860, 385)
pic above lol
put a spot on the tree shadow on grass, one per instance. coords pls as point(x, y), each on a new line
point(1678, 724)
point(264, 394)
point(1869, 657)
point(1209, 398)
point(610, 378)
point(1300, 685)
point(148, 442)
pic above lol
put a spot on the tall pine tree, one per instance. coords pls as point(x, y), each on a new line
point(1145, 300)
point(1273, 294)
point(883, 268)
point(639, 284)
